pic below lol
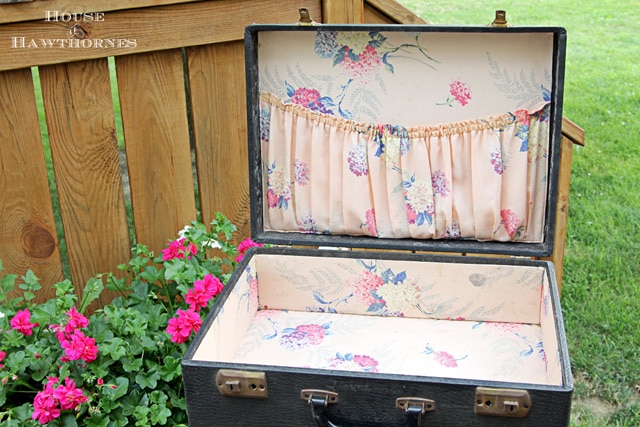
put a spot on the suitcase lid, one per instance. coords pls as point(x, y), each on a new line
point(422, 138)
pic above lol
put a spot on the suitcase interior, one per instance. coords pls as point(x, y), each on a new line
point(358, 312)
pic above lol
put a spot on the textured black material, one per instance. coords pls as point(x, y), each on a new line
point(365, 400)
point(433, 245)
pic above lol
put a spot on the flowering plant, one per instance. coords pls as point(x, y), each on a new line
point(120, 366)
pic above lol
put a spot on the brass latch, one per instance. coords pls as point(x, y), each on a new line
point(502, 402)
point(231, 382)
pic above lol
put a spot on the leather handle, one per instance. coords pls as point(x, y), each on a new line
point(319, 404)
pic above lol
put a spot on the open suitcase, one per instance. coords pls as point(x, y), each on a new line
point(399, 141)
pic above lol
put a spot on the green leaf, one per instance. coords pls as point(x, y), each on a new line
point(97, 420)
point(22, 413)
point(141, 413)
point(170, 369)
point(28, 296)
point(39, 369)
point(116, 284)
point(7, 284)
point(151, 274)
point(148, 379)
point(63, 288)
point(135, 323)
point(100, 328)
point(178, 401)
point(121, 387)
point(115, 316)
point(160, 414)
point(92, 291)
point(134, 399)
point(68, 420)
point(30, 282)
point(131, 364)
point(115, 347)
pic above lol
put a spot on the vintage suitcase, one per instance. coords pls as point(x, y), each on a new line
point(399, 141)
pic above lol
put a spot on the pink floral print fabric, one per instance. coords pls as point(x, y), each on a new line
point(453, 320)
point(454, 349)
point(472, 179)
point(405, 135)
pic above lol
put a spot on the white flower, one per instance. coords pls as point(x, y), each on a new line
point(183, 233)
point(211, 243)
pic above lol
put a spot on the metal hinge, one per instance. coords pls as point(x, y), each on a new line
point(314, 396)
point(305, 17)
point(502, 402)
point(231, 382)
point(500, 19)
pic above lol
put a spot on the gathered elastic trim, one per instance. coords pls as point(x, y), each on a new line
point(498, 121)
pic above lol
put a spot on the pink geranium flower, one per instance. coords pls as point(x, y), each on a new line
point(180, 249)
point(244, 246)
point(78, 346)
point(180, 327)
point(76, 321)
point(21, 322)
point(45, 409)
point(69, 395)
point(203, 291)
point(45, 406)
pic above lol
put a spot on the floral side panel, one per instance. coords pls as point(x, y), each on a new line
point(234, 318)
point(394, 288)
point(509, 352)
point(550, 335)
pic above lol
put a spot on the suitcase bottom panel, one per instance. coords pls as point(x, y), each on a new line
point(422, 347)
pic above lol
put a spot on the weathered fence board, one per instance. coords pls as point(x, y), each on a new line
point(217, 82)
point(140, 30)
point(84, 147)
point(37, 10)
point(156, 131)
point(27, 226)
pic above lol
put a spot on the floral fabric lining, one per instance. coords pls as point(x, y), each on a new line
point(481, 179)
point(421, 347)
point(394, 134)
point(455, 320)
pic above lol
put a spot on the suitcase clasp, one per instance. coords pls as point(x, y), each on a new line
point(502, 402)
point(231, 382)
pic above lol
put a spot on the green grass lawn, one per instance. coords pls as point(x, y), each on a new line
point(601, 290)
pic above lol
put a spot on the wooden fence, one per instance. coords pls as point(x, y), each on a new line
point(180, 82)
